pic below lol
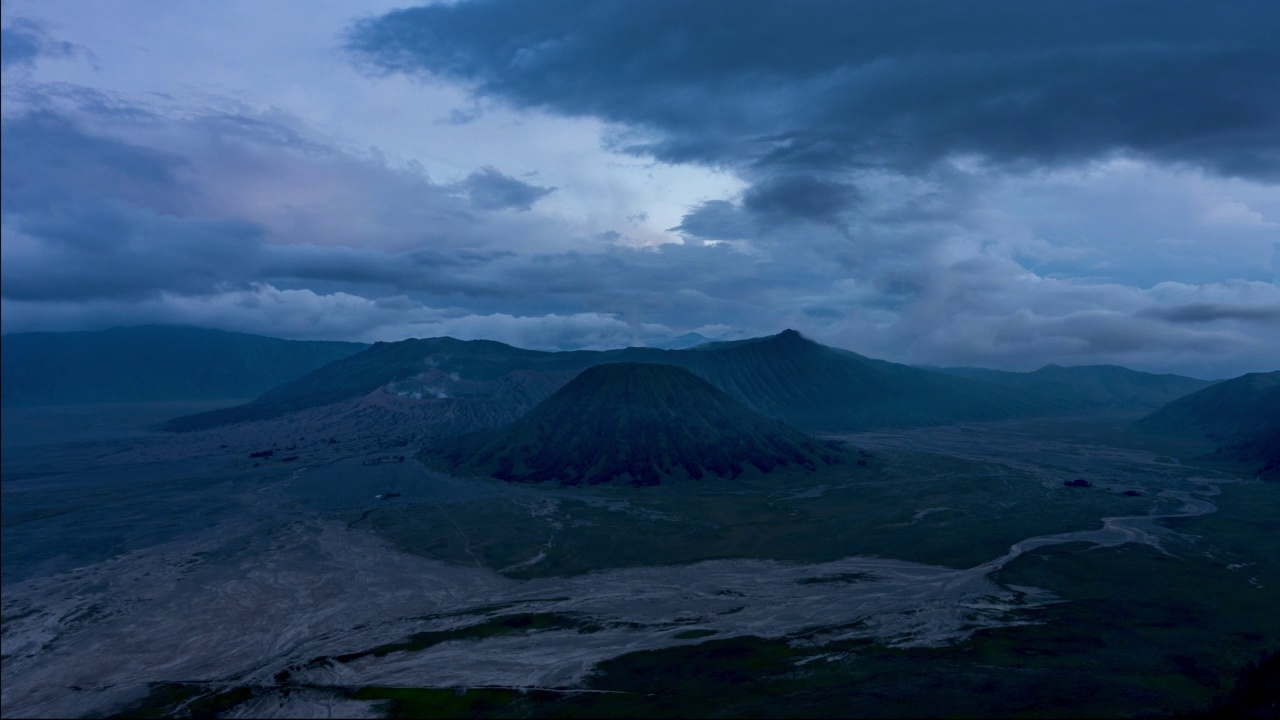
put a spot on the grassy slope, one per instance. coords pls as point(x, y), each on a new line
point(1087, 388)
point(1241, 415)
point(635, 422)
point(1225, 409)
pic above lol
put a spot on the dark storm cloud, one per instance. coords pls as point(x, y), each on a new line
point(25, 41)
point(823, 313)
point(775, 88)
point(96, 219)
point(46, 159)
point(112, 250)
point(92, 209)
point(89, 216)
point(716, 220)
point(800, 197)
point(1212, 312)
point(489, 189)
point(443, 275)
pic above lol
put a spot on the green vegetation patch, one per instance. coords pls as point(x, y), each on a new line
point(790, 515)
point(1138, 632)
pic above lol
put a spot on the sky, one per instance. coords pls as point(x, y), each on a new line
point(992, 183)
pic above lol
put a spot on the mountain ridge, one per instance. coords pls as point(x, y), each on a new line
point(1089, 387)
point(785, 376)
point(1241, 414)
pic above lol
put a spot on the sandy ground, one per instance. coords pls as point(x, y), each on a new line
point(243, 580)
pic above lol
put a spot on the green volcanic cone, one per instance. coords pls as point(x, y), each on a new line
point(636, 423)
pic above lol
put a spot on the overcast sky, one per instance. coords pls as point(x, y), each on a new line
point(994, 183)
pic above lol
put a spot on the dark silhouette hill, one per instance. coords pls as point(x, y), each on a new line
point(816, 387)
point(785, 376)
point(153, 363)
point(1242, 415)
point(1089, 388)
point(636, 423)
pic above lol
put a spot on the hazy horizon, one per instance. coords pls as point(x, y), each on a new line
point(658, 343)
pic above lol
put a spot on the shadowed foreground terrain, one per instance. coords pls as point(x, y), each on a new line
point(948, 570)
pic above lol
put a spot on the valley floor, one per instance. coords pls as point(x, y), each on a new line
point(937, 571)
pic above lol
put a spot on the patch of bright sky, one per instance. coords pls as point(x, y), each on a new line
point(1131, 221)
point(287, 58)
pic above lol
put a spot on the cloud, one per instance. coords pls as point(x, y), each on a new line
point(1213, 312)
point(98, 203)
point(1125, 221)
point(46, 156)
point(106, 249)
point(588, 331)
point(491, 190)
point(781, 87)
point(717, 220)
point(769, 203)
point(305, 314)
point(803, 197)
point(908, 195)
point(89, 216)
point(25, 41)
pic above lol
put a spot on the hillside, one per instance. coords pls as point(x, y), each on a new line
point(636, 423)
point(399, 367)
point(815, 387)
point(152, 363)
point(786, 376)
point(1089, 388)
point(1242, 415)
point(1227, 408)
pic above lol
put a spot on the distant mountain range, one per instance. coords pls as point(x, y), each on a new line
point(1086, 388)
point(784, 376)
point(1242, 415)
point(636, 423)
point(152, 363)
